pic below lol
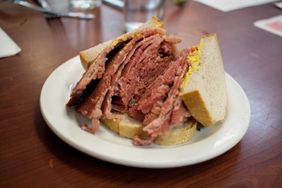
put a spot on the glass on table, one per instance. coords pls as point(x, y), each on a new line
point(136, 12)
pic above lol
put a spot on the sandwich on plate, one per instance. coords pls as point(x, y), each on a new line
point(141, 86)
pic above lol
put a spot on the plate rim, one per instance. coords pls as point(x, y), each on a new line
point(132, 163)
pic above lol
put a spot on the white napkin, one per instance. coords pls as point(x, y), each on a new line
point(279, 5)
point(7, 46)
point(273, 25)
point(228, 5)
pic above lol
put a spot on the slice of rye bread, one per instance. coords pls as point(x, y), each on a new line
point(204, 90)
point(127, 127)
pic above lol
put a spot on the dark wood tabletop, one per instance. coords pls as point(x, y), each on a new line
point(31, 155)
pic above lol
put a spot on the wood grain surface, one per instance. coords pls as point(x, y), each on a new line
point(31, 155)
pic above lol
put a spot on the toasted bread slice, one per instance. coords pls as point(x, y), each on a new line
point(204, 90)
point(87, 56)
point(127, 127)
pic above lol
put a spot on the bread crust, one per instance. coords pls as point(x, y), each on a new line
point(89, 55)
point(197, 108)
point(129, 128)
point(177, 136)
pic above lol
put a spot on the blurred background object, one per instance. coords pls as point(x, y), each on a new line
point(137, 12)
point(114, 3)
point(52, 14)
point(84, 4)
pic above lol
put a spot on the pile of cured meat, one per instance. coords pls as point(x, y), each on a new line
point(139, 76)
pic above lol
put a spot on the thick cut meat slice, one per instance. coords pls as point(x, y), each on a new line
point(142, 71)
point(131, 76)
point(158, 89)
point(173, 76)
point(107, 104)
point(179, 113)
point(95, 71)
point(155, 112)
point(124, 89)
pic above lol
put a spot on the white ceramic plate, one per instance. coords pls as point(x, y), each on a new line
point(105, 145)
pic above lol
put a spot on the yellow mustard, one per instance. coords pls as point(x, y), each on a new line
point(158, 22)
point(121, 38)
point(194, 59)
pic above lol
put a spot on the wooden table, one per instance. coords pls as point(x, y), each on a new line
point(31, 155)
